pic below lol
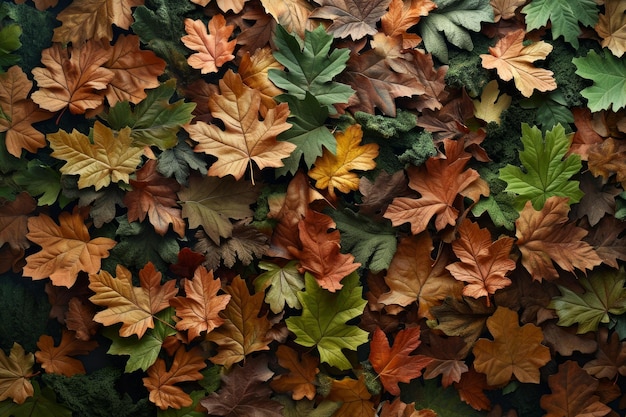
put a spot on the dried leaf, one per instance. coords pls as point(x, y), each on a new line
point(14, 220)
point(354, 396)
point(610, 358)
point(300, 380)
point(15, 371)
point(505, 9)
point(611, 27)
point(213, 49)
point(403, 15)
point(492, 103)
point(58, 359)
point(353, 18)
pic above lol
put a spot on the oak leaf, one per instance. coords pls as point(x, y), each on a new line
point(58, 359)
point(15, 371)
point(245, 138)
point(14, 220)
point(353, 18)
point(66, 248)
point(300, 380)
point(243, 331)
point(512, 60)
point(401, 16)
point(545, 236)
point(213, 49)
point(200, 307)
point(355, 397)
point(73, 77)
point(160, 381)
point(611, 27)
point(110, 158)
point(335, 171)
point(396, 364)
point(515, 350)
point(483, 264)
point(610, 357)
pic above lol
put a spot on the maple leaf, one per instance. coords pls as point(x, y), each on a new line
point(354, 396)
point(18, 113)
point(611, 27)
point(254, 70)
point(491, 103)
point(604, 238)
point(401, 16)
point(66, 250)
point(439, 181)
point(610, 356)
point(545, 236)
point(93, 19)
point(609, 80)
point(160, 382)
point(111, 157)
point(58, 359)
point(353, 18)
point(573, 393)
point(200, 306)
point(607, 159)
point(319, 253)
point(514, 351)
point(512, 60)
point(585, 136)
point(73, 77)
point(15, 371)
point(256, 25)
point(326, 327)
point(505, 9)
point(484, 263)
point(179, 161)
point(396, 364)
point(154, 196)
point(212, 48)
point(599, 200)
point(14, 220)
point(284, 283)
point(604, 294)
point(446, 354)
point(413, 277)
point(471, 389)
point(245, 138)
point(300, 380)
point(79, 318)
point(243, 331)
point(378, 194)
point(397, 408)
point(333, 171)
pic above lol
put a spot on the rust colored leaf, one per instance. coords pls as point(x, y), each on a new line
point(608, 159)
point(515, 351)
point(472, 388)
point(401, 16)
point(447, 354)
point(610, 357)
point(354, 396)
point(200, 307)
point(300, 380)
point(15, 373)
point(213, 49)
point(58, 359)
point(66, 248)
point(79, 319)
point(188, 261)
point(398, 409)
point(585, 137)
point(254, 69)
point(159, 296)
point(611, 27)
point(353, 18)
point(14, 220)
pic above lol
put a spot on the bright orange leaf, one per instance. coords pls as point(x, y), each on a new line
point(58, 359)
point(15, 373)
point(402, 15)
point(300, 380)
point(213, 49)
point(354, 396)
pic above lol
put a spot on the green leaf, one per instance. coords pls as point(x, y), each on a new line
point(40, 180)
point(620, 206)
point(284, 284)
point(310, 67)
point(551, 108)
point(429, 395)
point(179, 161)
point(324, 316)
point(564, 16)
point(308, 132)
point(9, 42)
point(547, 174)
point(499, 208)
point(154, 121)
point(43, 403)
point(609, 80)
point(451, 21)
point(604, 294)
point(372, 243)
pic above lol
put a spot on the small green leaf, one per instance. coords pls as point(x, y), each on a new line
point(284, 284)
point(500, 210)
point(179, 161)
point(609, 80)
point(40, 180)
point(551, 108)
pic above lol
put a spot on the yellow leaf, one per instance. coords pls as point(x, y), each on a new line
point(333, 171)
point(491, 103)
point(111, 157)
point(14, 373)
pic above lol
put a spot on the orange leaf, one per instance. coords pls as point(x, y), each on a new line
point(243, 331)
point(512, 60)
point(15, 371)
point(73, 77)
point(254, 71)
point(402, 15)
point(545, 236)
point(354, 396)
point(160, 382)
point(484, 263)
point(66, 248)
point(514, 351)
point(301, 377)
point(245, 138)
point(334, 171)
point(611, 27)
point(471, 389)
point(200, 307)
point(213, 49)
point(58, 359)
point(395, 364)
point(320, 253)
point(158, 295)
point(14, 220)
point(585, 137)
point(398, 409)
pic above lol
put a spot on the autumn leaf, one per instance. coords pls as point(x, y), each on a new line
point(66, 248)
point(483, 264)
point(245, 138)
point(186, 366)
point(515, 351)
point(396, 364)
point(606, 241)
point(355, 397)
point(607, 160)
point(300, 380)
point(512, 60)
point(472, 388)
point(610, 357)
point(243, 331)
point(401, 16)
point(58, 359)
point(15, 373)
point(353, 18)
point(492, 103)
point(213, 49)
point(284, 283)
point(14, 220)
point(505, 9)
point(447, 356)
point(293, 15)
point(73, 77)
point(79, 318)
point(254, 70)
point(334, 171)
point(110, 158)
point(545, 236)
point(611, 27)
point(200, 306)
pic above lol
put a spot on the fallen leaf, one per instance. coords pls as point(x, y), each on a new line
point(447, 354)
point(353, 18)
point(58, 359)
point(401, 16)
point(14, 220)
point(79, 319)
point(293, 15)
point(472, 388)
point(354, 396)
point(213, 49)
point(611, 27)
point(301, 379)
point(610, 357)
point(607, 159)
point(491, 104)
point(15, 373)
point(254, 70)
point(585, 137)
point(284, 283)
point(505, 9)
point(606, 241)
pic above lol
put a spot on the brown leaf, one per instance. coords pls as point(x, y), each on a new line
point(464, 317)
point(611, 27)
point(565, 340)
point(610, 358)
point(585, 137)
point(606, 241)
point(505, 9)
point(598, 200)
point(353, 18)
point(398, 409)
point(607, 159)
point(213, 49)
point(15, 373)
point(403, 15)
point(258, 34)
point(447, 354)
point(472, 388)
point(300, 380)
point(188, 261)
point(293, 15)
point(254, 71)
point(378, 194)
point(354, 396)
point(14, 220)
point(58, 359)
point(79, 319)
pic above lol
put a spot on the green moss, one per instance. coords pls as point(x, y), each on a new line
point(560, 63)
point(386, 127)
point(422, 148)
point(465, 67)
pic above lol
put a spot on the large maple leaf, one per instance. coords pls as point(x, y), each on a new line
point(301, 379)
point(66, 248)
point(439, 181)
point(515, 350)
point(199, 308)
point(513, 60)
point(245, 138)
point(396, 364)
point(483, 263)
point(14, 220)
point(213, 49)
point(545, 236)
point(15, 373)
point(58, 359)
point(611, 27)
point(353, 18)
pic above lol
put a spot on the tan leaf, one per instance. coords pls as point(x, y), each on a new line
point(15, 371)
point(611, 27)
point(505, 9)
point(354, 396)
point(58, 359)
point(293, 15)
point(254, 71)
point(491, 103)
point(14, 220)
point(213, 49)
point(300, 380)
